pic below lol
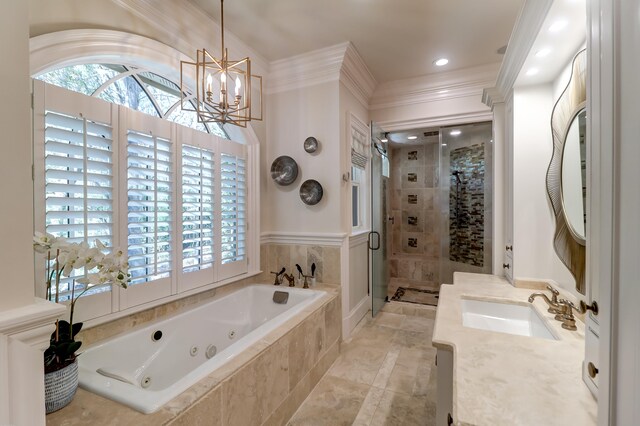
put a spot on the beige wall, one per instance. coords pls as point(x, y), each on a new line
point(295, 115)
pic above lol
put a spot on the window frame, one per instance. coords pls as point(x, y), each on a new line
point(118, 302)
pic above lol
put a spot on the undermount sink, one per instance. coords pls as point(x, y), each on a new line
point(522, 320)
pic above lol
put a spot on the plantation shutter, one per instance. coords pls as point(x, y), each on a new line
point(198, 180)
point(74, 165)
point(150, 193)
point(233, 205)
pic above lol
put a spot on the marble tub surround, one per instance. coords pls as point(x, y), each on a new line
point(327, 259)
point(264, 383)
point(503, 379)
point(385, 374)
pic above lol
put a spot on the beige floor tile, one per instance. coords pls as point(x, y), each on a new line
point(413, 339)
point(388, 319)
point(413, 323)
point(369, 407)
point(334, 402)
point(396, 409)
point(360, 364)
point(386, 369)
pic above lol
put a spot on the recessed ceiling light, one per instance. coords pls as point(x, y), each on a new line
point(443, 91)
point(557, 26)
point(455, 132)
point(384, 140)
point(412, 138)
point(444, 144)
point(441, 62)
point(532, 71)
point(542, 53)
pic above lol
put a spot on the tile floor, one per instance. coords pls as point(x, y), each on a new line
point(385, 375)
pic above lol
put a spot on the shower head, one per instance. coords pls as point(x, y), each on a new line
point(456, 173)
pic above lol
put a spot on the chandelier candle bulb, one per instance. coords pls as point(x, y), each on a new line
point(209, 82)
point(238, 86)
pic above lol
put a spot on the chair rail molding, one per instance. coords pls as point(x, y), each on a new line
point(317, 239)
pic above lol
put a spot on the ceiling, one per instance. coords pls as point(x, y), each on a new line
point(397, 39)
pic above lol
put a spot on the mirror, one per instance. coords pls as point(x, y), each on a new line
point(574, 176)
point(566, 177)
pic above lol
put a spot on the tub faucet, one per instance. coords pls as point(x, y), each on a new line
point(291, 279)
point(278, 276)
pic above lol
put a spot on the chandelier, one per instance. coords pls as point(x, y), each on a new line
point(222, 87)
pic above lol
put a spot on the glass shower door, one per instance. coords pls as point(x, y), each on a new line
point(379, 276)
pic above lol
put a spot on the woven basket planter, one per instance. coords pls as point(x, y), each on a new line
point(60, 387)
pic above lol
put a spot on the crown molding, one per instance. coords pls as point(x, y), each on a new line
point(307, 69)
point(306, 238)
point(356, 76)
point(492, 96)
point(435, 87)
point(445, 120)
point(525, 31)
point(201, 30)
point(339, 62)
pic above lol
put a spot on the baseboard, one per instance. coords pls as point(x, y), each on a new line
point(354, 317)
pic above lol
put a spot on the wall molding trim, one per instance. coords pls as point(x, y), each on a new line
point(356, 76)
point(317, 239)
point(446, 120)
point(435, 87)
point(307, 69)
point(353, 318)
point(340, 62)
point(522, 38)
point(32, 324)
point(358, 239)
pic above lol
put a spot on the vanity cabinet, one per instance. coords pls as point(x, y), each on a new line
point(444, 407)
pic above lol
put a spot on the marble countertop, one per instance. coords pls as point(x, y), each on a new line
point(504, 379)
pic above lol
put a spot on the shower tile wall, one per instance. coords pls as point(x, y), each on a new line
point(415, 242)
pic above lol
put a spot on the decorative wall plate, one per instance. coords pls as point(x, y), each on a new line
point(284, 170)
point(310, 144)
point(311, 192)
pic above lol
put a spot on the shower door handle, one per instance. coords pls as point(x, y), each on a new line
point(377, 240)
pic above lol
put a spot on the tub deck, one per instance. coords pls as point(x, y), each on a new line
point(264, 384)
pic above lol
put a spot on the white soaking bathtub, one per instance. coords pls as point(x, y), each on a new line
point(148, 367)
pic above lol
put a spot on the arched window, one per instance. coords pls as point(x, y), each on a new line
point(132, 87)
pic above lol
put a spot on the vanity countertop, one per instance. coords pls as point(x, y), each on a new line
point(504, 379)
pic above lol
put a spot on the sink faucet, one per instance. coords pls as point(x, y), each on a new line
point(553, 303)
point(566, 314)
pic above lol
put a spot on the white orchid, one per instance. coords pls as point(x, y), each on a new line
point(106, 268)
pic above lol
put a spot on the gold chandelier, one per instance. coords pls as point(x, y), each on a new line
point(223, 87)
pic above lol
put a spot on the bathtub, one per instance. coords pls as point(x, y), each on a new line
point(146, 368)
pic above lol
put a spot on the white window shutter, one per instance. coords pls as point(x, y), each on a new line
point(74, 181)
point(198, 174)
point(232, 209)
point(150, 177)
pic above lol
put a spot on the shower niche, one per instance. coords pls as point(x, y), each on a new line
point(440, 208)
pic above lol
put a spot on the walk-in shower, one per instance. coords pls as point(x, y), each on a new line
point(440, 208)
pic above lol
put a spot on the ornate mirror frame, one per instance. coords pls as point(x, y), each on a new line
point(570, 250)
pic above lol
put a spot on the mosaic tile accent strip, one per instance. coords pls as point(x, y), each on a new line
point(466, 205)
point(412, 155)
point(412, 199)
point(412, 177)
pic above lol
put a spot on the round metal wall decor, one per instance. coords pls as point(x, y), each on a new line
point(284, 170)
point(311, 144)
point(311, 192)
